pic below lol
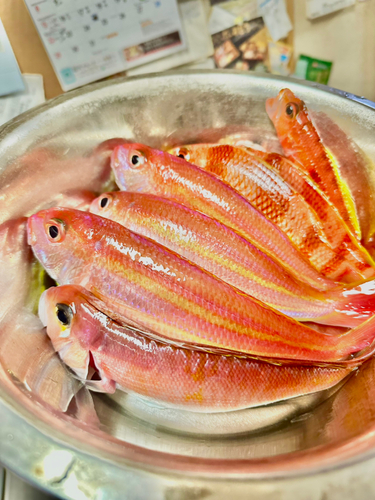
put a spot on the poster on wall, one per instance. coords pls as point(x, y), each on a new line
point(89, 40)
point(242, 47)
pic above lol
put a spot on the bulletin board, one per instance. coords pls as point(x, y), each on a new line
point(29, 50)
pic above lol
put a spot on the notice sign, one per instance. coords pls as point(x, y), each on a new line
point(89, 40)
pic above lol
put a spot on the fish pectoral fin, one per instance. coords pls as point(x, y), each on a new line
point(97, 381)
point(103, 385)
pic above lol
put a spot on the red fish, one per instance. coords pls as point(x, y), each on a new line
point(167, 295)
point(89, 342)
point(301, 142)
point(355, 168)
point(250, 174)
point(139, 168)
point(220, 250)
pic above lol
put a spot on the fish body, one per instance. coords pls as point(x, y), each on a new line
point(250, 174)
point(355, 168)
point(224, 253)
point(338, 234)
point(139, 168)
point(301, 142)
point(154, 288)
point(88, 340)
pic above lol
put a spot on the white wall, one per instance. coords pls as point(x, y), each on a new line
point(347, 38)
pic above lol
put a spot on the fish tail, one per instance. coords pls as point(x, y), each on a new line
point(361, 338)
point(352, 305)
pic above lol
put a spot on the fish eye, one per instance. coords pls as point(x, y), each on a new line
point(104, 201)
point(55, 230)
point(64, 314)
point(137, 159)
point(183, 153)
point(292, 109)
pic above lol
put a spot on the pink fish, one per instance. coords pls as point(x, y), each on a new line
point(139, 168)
point(221, 251)
point(152, 287)
point(301, 142)
point(251, 175)
point(89, 342)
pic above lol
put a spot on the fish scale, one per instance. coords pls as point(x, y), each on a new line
point(338, 234)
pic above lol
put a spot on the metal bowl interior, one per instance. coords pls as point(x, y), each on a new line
point(47, 150)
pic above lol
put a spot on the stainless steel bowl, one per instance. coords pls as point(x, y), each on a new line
point(314, 447)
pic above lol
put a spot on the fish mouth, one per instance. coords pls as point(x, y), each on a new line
point(271, 107)
point(118, 157)
point(31, 237)
point(94, 207)
point(42, 308)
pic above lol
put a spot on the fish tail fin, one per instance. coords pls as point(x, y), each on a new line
point(358, 339)
point(353, 306)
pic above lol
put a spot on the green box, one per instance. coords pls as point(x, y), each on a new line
point(315, 70)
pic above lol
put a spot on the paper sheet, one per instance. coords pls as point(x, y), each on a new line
point(10, 75)
point(275, 17)
point(244, 10)
point(198, 40)
point(87, 40)
point(220, 19)
point(318, 8)
point(15, 104)
point(230, 13)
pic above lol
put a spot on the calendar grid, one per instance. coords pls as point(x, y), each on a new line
point(89, 41)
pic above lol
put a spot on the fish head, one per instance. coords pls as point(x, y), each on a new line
point(182, 152)
point(115, 205)
point(65, 311)
point(285, 111)
point(60, 238)
point(104, 205)
point(133, 167)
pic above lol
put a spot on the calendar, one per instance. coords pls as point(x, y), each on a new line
point(89, 40)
